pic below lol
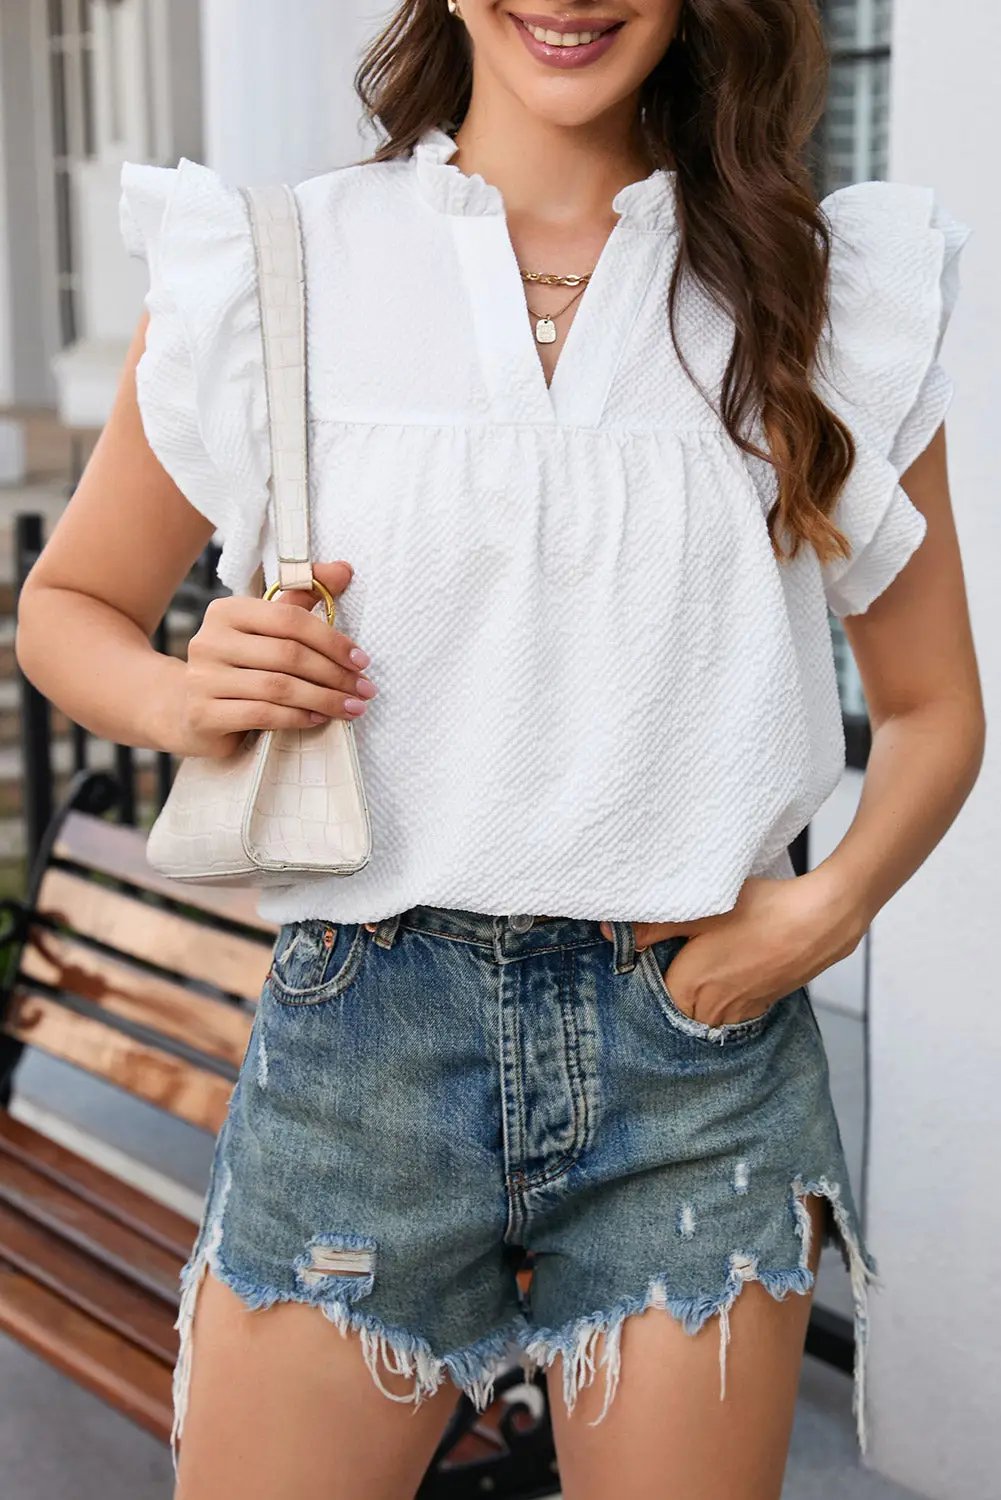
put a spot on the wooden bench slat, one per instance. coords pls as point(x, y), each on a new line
point(119, 1200)
point(89, 1266)
point(73, 1219)
point(172, 1084)
point(212, 1027)
point(132, 927)
point(117, 850)
point(117, 1303)
point(128, 1378)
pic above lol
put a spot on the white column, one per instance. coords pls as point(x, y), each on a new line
point(935, 1220)
point(279, 103)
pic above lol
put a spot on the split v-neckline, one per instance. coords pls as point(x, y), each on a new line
point(585, 366)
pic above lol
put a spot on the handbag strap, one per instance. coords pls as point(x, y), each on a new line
point(277, 234)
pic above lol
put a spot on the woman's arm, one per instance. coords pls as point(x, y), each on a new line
point(915, 654)
point(103, 583)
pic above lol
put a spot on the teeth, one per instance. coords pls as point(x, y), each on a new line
point(562, 38)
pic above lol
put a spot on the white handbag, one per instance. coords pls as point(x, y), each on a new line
point(288, 804)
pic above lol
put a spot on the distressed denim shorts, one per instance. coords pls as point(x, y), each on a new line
point(424, 1104)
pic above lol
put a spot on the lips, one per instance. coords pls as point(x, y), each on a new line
point(599, 35)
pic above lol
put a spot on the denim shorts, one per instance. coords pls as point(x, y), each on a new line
point(426, 1108)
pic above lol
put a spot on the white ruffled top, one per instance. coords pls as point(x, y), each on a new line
point(601, 694)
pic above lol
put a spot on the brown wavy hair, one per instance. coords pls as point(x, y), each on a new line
point(732, 107)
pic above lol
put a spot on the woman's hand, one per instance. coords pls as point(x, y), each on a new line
point(269, 664)
point(778, 936)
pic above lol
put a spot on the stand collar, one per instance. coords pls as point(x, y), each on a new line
point(648, 203)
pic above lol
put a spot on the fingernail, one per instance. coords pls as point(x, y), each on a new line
point(317, 718)
point(365, 687)
point(359, 658)
point(355, 705)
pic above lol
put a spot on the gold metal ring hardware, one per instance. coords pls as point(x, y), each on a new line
point(316, 587)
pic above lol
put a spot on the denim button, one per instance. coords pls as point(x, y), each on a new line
point(520, 923)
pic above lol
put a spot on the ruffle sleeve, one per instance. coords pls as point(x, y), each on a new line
point(200, 382)
point(894, 279)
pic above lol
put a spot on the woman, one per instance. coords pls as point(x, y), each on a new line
point(605, 414)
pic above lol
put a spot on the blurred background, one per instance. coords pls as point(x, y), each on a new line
point(261, 91)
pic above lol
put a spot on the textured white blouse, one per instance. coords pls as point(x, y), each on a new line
point(600, 692)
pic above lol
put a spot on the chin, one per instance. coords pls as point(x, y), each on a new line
point(562, 118)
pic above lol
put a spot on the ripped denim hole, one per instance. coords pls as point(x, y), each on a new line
point(331, 1260)
point(686, 1221)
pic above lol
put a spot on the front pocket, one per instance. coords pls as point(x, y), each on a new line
point(653, 960)
point(314, 960)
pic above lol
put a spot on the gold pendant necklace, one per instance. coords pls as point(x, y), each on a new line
point(545, 323)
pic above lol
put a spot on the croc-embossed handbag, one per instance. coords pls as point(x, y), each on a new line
point(288, 804)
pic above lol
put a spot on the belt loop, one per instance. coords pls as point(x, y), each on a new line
point(386, 930)
point(500, 931)
point(624, 940)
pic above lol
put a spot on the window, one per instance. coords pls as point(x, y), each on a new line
point(853, 141)
point(71, 75)
point(855, 127)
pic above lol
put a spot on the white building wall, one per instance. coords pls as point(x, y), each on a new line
point(147, 87)
point(279, 101)
point(258, 89)
point(934, 1215)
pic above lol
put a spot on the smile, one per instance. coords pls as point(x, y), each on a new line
point(565, 44)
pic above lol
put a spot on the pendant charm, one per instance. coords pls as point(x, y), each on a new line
point(545, 331)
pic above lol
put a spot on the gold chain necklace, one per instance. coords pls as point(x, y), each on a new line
point(548, 278)
point(545, 324)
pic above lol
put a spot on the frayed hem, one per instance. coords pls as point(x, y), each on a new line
point(861, 1268)
point(205, 1255)
point(578, 1344)
point(473, 1370)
